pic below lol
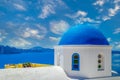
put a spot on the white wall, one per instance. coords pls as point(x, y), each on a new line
point(41, 73)
point(88, 60)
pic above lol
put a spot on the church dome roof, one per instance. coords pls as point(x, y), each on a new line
point(83, 35)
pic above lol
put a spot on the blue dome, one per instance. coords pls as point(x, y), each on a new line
point(83, 35)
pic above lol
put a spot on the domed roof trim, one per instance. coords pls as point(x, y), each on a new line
point(83, 35)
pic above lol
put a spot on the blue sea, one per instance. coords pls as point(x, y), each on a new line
point(44, 57)
point(47, 58)
point(116, 63)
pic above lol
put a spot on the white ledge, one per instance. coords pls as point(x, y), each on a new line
point(41, 73)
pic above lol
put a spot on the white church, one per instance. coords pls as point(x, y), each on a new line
point(83, 51)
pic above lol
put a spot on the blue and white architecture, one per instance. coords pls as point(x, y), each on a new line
point(83, 51)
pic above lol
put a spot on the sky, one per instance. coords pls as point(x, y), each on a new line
point(30, 23)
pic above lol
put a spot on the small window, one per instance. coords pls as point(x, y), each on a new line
point(75, 62)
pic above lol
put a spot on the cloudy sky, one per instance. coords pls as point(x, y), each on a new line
point(29, 23)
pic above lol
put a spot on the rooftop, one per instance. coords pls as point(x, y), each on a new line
point(83, 35)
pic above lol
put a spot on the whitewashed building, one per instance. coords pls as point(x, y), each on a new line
point(83, 51)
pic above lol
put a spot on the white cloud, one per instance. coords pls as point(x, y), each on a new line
point(100, 10)
point(61, 3)
point(116, 1)
point(86, 19)
point(2, 38)
point(104, 18)
point(81, 17)
point(113, 11)
point(49, 7)
point(32, 33)
point(27, 30)
point(29, 18)
point(56, 39)
point(107, 9)
point(3, 35)
point(19, 7)
point(82, 13)
point(99, 2)
point(77, 14)
point(19, 43)
point(59, 27)
point(46, 11)
point(109, 39)
point(42, 30)
point(53, 41)
point(117, 31)
point(11, 24)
